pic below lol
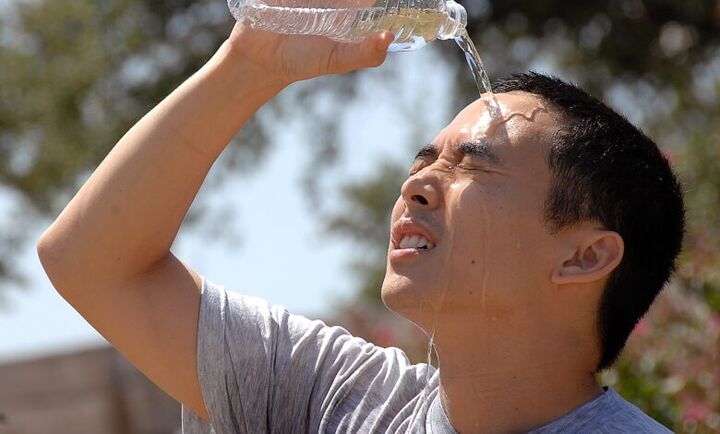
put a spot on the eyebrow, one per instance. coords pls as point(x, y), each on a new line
point(482, 150)
point(427, 151)
point(478, 149)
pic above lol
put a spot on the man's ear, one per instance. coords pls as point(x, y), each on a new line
point(593, 256)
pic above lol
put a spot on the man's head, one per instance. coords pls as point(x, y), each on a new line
point(557, 208)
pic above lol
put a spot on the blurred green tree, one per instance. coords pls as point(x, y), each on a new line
point(75, 75)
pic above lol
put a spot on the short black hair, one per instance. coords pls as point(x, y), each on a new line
point(606, 170)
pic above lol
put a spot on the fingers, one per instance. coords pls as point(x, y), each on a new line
point(382, 40)
point(372, 52)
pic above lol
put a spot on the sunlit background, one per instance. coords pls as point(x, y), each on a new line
point(297, 208)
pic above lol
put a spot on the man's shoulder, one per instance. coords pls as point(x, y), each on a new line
point(608, 413)
point(622, 416)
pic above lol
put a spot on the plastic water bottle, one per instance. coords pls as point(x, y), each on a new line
point(413, 22)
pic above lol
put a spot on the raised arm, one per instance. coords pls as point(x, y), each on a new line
point(108, 252)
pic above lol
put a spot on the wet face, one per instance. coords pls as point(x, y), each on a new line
point(468, 233)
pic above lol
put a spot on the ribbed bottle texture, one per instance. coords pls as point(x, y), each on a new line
point(413, 22)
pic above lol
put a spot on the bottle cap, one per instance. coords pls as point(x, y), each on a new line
point(457, 20)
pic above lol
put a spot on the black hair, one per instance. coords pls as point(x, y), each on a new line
point(604, 169)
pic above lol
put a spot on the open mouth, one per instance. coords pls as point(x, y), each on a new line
point(417, 242)
point(410, 239)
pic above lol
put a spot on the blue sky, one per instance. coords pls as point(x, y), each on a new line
point(284, 256)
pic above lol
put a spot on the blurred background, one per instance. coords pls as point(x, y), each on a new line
point(296, 210)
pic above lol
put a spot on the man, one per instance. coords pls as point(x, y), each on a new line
point(528, 243)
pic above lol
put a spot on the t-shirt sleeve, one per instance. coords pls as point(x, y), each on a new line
point(258, 366)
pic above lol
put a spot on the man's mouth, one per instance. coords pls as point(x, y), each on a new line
point(418, 242)
point(410, 239)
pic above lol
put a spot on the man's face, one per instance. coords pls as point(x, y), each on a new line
point(476, 195)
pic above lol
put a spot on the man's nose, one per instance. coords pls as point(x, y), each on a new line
point(421, 191)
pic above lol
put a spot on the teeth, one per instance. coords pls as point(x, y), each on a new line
point(415, 242)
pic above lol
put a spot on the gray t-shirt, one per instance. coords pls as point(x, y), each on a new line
point(263, 370)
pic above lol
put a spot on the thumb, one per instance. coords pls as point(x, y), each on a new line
point(371, 52)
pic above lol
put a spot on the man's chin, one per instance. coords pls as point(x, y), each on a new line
point(394, 289)
point(402, 296)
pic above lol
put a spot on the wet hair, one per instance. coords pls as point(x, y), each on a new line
point(605, 170)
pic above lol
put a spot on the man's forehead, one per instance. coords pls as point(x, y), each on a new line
point(508, 102)
point(517, 116)
point(523, 128)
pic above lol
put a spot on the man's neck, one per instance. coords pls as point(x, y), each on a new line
point(503, 378)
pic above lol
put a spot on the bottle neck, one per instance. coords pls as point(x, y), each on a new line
point(456, 20)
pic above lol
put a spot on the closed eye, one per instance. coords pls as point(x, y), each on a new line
point(472, 168)
point(473, 164)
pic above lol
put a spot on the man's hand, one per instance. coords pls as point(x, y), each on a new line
point(290, 58)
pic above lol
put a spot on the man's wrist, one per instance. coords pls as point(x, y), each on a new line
point(264, 84)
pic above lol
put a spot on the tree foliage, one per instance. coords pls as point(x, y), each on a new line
point(76, 74)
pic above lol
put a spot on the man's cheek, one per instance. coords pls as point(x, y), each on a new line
point(398, 209)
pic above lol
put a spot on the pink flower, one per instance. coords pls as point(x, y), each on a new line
point(697, 412)
point(669, 155)
point(641, 328)
point(385, 337)
point(714, 323)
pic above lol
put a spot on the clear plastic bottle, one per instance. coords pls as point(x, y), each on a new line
point(413, 22)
